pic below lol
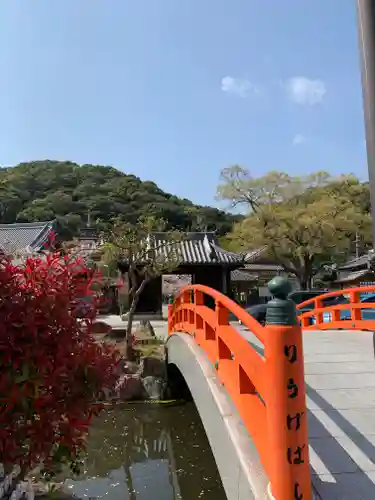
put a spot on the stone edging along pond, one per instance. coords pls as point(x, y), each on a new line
point(146, 380)
point(13, 489)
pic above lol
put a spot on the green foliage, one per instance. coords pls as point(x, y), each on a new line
point(239, 188)
point(46, 190)
point(305, 222)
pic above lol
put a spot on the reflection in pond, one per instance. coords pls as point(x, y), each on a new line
point(144, 452)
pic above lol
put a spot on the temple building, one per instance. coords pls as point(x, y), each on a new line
point(249, 283)
point(358, 271)
point(26, 238)
point(199, 256)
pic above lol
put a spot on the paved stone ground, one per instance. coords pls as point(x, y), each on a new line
point(115, 321)
point(340, 378)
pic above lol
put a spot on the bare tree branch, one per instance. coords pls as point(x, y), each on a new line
point(145, 257)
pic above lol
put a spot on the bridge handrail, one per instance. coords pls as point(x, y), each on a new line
point(354, 305)
point(238, 311)
point(268, 392)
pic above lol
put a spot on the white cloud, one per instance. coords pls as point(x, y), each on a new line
point(298, 139)
point(302, 90)
point(237, 86)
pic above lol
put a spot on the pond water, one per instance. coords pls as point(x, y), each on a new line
point(148, 452)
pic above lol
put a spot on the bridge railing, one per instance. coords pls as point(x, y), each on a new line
point(268, 391)
point(351, 308)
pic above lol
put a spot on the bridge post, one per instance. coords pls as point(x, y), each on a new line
point(170, 313)
point(286, 399)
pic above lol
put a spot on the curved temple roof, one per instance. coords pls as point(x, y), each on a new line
point(26, 237)
point(199, 248)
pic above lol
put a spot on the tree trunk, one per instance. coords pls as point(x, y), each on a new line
point(305, 279)
point(146, 324)
point(307, 272)
point(304, 282)
point(129, 337)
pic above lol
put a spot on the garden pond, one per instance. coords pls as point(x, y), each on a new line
point(148, 452)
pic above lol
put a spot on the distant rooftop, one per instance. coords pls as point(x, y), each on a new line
point(26, 237)
point(355, 263)
point(255, 254)
point(355, 275)
point(264, 266)
point(238, 275)
point(257, 260)
point(89, 233)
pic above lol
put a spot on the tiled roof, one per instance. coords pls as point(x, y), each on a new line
point(253, 255)
point(353, 276)
point(26, 237)
point(264, 267)
point(256, 261)
point(238, 275)
point(198, 248)
point(355, 263)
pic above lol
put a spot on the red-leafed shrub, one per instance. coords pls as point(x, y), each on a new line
point(52, 371)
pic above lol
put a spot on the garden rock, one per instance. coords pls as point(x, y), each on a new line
point(152, 367)
point(155, 387)
point(129, 387)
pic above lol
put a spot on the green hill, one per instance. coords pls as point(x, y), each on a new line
point(46, 190)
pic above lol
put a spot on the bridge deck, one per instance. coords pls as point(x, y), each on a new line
point(340, 378)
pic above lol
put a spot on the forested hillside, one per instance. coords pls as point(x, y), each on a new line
point(46, 190)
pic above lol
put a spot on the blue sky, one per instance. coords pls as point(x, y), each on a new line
point(175, 90)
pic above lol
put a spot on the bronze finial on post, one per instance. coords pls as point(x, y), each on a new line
point(280, 309)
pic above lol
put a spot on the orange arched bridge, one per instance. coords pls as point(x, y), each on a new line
point(289, 407)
